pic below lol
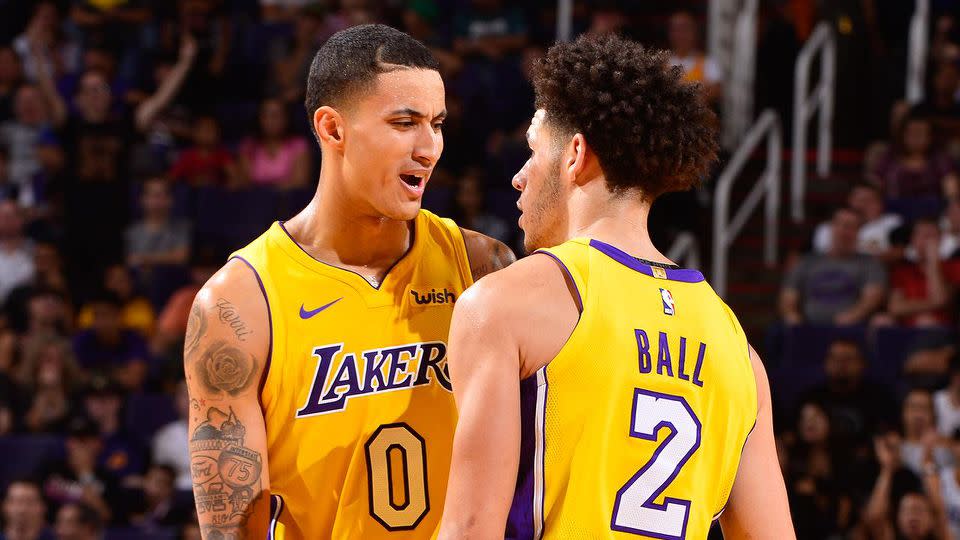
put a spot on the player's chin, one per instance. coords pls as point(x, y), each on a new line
point(404, 210)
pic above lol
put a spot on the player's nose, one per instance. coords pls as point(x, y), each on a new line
point(428, 147)
point(520, 179)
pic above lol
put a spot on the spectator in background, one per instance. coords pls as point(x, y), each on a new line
point(79, 478)
point(43, 47)
point(24, 136)
point(913, 167)
point(158, 239)
point(817, 472)
point(275, 157)
point(190, 531)
point(950, 230)
point(170, 443)
point(48, 314)
point(78, 521)
point(946, 403)
point(48, 274)
point(16, 255)
point(950, 486)
point(207, 162)
point(839, 287)
point(941, 104)
point(24, 512)
point(11, 75)
point(420, 20)
point(137, 313)
point(50, 378)
point(122, 457)
point(920, 434)
point(172, 322)
point(857, 406)
point(469, 211)
point(919, 515)
point(291, 58)
point(922, 291)
point(683, 35)
point(159, 509)
point(875, 230)
point(106, 348)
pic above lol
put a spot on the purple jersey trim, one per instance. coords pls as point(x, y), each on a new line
point(520, 518)
point(569, 275)
point(266, 365)
point(276, 507)
point(673, 274)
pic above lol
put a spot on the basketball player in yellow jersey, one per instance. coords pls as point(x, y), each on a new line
point(316, 357)
point(619, 398)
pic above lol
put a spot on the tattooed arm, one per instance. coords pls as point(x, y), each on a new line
point(486, 254)
point(225, 350)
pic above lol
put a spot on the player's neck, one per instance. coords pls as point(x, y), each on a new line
point(621, 224)
point(337, 233)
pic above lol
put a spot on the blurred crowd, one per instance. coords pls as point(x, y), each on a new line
point(141, 141)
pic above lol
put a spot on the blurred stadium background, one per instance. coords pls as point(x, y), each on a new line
point(141, 141)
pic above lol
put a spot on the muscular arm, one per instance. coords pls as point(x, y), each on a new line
point(486, 374)
point(225, 351)
point(759, 482)
point(486, 254)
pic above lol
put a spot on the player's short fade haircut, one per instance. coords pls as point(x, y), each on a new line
point(651, 131)
point(352, 58)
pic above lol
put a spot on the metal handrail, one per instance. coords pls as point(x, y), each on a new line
point(805, 105)
point(685, 250)
point(767, 127)
point(917, 52)
point(738, 92)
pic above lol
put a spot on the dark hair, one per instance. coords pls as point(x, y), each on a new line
point(864, 184)
point(650, 130)
point(353, 57)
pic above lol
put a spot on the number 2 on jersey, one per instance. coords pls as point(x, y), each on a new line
point(634, 510)
point(396, 451)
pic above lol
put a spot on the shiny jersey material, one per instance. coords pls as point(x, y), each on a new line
point(636, 427)
point(357, 398)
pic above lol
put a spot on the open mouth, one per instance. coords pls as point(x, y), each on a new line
point(412, 180)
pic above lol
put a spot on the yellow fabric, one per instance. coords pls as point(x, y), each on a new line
point(137, 315)
point(333, 465)
point(591, 388)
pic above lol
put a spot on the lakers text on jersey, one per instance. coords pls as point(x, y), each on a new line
point(357, 398)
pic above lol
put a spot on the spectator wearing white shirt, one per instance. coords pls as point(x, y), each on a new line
point(683, 35)
point(16, 253)
point(874, 235)
point(946, 402)
point(170, 444)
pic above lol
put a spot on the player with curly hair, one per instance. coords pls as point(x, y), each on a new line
point(619, 398)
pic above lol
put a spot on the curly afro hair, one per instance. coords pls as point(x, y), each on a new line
point(651, 131)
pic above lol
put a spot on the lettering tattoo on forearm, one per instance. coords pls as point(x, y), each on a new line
point(498, 260)
point(225, 369)
point(196, 328)
point(230, 316)
point(226, 475)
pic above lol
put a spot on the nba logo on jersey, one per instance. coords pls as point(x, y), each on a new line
point(668, 307)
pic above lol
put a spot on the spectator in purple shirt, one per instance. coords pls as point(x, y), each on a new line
point(109, 349)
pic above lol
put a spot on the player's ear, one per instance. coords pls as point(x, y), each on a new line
point(575, 158)
point(328, 124)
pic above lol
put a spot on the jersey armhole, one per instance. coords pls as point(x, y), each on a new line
point(266, 364)
point(571, 282)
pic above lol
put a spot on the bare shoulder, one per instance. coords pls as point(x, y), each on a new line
point(760, 376)
point(486, 254)
point(530, 293)
point(226, 346)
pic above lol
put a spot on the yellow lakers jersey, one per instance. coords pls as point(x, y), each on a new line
point(635, 428)
point(357, 399)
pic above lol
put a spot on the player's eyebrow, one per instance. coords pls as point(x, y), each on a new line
point(407, 111)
